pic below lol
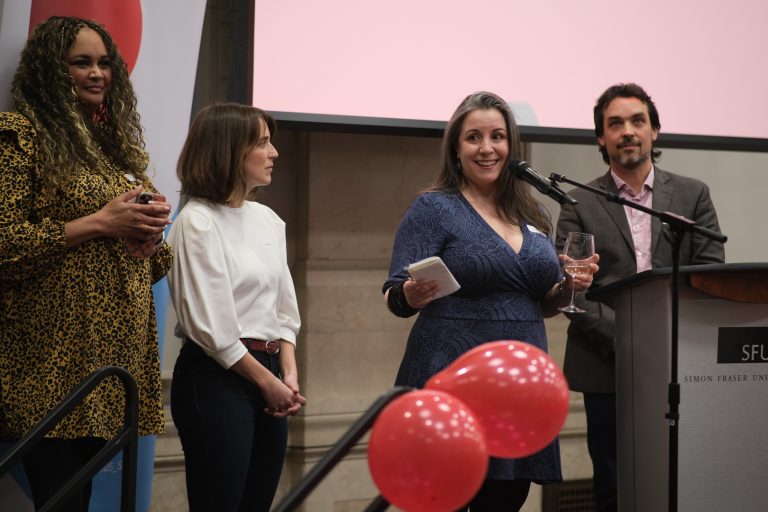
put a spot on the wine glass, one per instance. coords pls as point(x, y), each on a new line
point(579, 247)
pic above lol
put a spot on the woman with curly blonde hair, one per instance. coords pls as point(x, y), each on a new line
point(78, 250)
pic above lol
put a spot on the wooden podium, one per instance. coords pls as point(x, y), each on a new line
point(723, 375)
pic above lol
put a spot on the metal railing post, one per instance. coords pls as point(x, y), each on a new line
point(126, 440)
point(337, 452)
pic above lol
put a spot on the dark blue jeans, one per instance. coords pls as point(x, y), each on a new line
point(601, 441)
point(233, 451)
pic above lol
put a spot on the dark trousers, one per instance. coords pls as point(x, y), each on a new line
point(499, 496)
point(53, 462)
point(601, 441)
point(233, 451)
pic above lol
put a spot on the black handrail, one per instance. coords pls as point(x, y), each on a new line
point(126, 439)
point(337, 452)
point(380, 504)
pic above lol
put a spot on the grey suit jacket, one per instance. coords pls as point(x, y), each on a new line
point(589, 356)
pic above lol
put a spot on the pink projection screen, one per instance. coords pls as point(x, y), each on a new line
point(702, 62)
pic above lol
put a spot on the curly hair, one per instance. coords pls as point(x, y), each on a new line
point(68, 139)
point(514, 200)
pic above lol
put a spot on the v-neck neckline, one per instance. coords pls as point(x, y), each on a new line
point(523, 227)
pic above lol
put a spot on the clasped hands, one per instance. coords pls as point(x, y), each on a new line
point(283, 397)
point(142, 225)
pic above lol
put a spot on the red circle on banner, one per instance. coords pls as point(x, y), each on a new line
point(122, 19)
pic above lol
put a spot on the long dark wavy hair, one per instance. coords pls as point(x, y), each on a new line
point(69, 139)
point(514, 200)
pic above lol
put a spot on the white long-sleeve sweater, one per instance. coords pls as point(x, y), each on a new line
point(230, 278)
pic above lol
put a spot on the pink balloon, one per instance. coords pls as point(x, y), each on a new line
point(519, 394)
point(427, 452)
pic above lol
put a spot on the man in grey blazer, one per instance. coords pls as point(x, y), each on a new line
point(628, 241)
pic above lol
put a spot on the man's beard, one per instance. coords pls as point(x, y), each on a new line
point(633, 160)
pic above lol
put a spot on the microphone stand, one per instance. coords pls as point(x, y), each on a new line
point(676, 226)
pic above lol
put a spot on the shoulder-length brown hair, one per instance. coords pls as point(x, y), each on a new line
point(514, 200)
point(211, 162)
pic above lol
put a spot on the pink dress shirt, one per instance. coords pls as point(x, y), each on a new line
point(639, 222)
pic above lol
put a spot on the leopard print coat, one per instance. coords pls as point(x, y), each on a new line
point(65, 312)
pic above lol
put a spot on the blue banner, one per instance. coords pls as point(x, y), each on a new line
point(108, 482)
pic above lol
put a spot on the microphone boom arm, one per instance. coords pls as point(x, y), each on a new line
point(676, 222)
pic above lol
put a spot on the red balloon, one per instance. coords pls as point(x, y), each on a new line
point(427, 452)
point(519, 394)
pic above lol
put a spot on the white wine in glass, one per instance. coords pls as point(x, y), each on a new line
point(578, 249)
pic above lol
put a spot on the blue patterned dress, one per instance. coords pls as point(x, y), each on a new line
point(499, 299)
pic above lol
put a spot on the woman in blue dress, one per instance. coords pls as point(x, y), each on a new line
point(496, 240)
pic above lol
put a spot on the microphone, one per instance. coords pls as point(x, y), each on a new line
point(522, 170)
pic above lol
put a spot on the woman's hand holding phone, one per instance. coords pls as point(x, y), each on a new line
point(139, 248)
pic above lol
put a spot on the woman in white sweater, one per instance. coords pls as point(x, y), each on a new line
point(235, 380)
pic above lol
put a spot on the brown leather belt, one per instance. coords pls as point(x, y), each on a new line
point(270, 347)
